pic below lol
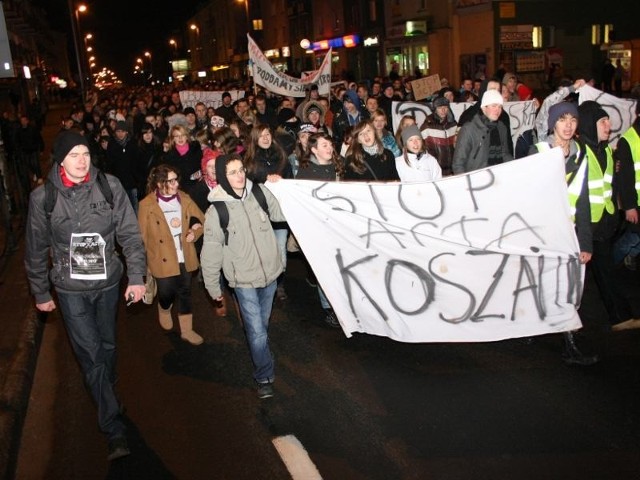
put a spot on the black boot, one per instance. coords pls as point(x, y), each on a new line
point(573, 356)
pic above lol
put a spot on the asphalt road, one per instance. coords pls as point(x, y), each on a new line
point(364, 408)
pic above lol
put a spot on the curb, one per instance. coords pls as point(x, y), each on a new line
point(14, 397)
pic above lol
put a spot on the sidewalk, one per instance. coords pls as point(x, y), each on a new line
point(21, 333)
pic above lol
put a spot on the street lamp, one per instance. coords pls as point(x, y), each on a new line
point(174, 44)
point(74, 15)
point(246, 12)
point(196, 58)
point(148, 55)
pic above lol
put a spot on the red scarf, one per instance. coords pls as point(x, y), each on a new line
point(67, 182)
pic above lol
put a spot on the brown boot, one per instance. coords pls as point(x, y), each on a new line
point(221, 307)
point(186, 330)
point(164, 317)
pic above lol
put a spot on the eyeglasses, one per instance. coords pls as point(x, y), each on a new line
point(180, 135)
point(172, 181)
point(240, 171)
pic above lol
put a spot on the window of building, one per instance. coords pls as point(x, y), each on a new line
point(595, 34)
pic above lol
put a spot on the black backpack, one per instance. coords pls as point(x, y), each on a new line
point(223, 212)
point(51, 193)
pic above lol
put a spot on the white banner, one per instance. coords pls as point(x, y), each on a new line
point(522, 115)
point(282, 84)
point(622, 111)
point(189, 98)
point(483, 256)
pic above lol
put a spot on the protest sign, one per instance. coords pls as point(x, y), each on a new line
point(483, 256)
point(426, 86)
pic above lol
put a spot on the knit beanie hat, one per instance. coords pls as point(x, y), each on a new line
point(64, 143)
point(410, 131)
point(491, 97)
point(560, 109)
point(221, 173)
point(440, 102)
point(284, 115)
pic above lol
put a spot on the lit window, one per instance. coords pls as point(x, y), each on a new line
point(257, 24)
point(537, 37)
point(595, 34)
point(608, 30)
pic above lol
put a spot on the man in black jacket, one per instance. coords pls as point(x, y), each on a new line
point(73, 222)
point(122, 162)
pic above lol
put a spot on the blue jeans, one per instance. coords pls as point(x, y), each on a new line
point(255, 306)
point(627, 244)
point(324, 302)
point(90, 320)
point(132, 193)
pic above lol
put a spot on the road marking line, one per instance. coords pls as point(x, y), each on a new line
point(296, 458)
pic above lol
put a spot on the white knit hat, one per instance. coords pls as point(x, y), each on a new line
point(491, 97)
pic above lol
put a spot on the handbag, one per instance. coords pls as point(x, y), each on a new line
point(150, 289)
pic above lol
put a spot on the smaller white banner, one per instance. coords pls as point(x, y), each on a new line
point(189, 98)
point(622, 111)
point(282, 84)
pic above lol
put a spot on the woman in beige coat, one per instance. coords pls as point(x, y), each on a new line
point(170, 223)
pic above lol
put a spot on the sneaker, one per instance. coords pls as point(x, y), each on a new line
point(118, 448)
point(330, 318)
point(265, 390)
point(280, 293)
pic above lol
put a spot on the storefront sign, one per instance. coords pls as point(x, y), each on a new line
point(371, 41)
point(348, 41)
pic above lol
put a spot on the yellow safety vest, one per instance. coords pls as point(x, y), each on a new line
point(574, 185)
point(632, 138)
point(600, 191)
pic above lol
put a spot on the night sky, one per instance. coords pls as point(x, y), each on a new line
point(124, 29)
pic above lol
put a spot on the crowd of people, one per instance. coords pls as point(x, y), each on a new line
point(189, 199)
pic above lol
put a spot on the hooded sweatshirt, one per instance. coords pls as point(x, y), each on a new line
point(590, 112)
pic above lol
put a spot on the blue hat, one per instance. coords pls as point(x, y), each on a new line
point(352, 96)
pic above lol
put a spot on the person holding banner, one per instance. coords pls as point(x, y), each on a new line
point(542, 118)
point(415, 164)
point(594, 129)
point(562, 125)
point(249, 257)
point(367, 159)
point(321, 162)
point(627, 156)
